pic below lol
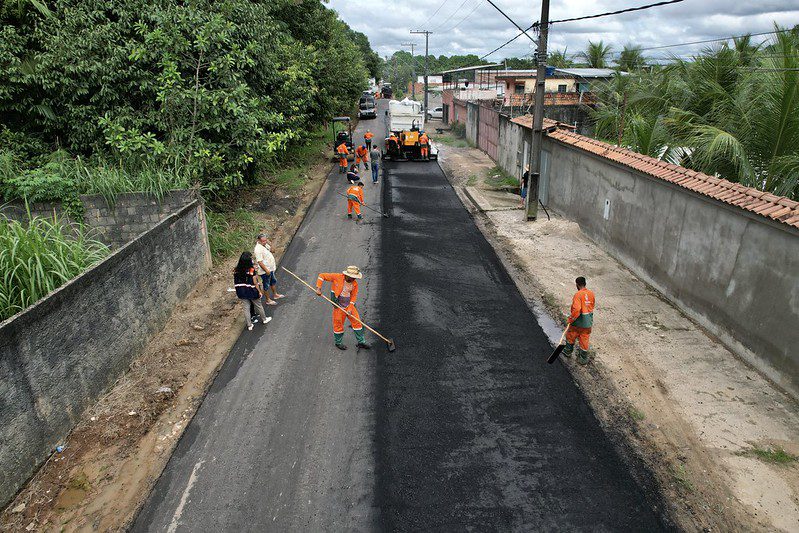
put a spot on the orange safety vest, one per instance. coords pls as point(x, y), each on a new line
point(362, 152)
point(423, 139)
point(356, 192)
point(336, 280)
point(582, 311)
point(342, 149)
point(368, 135)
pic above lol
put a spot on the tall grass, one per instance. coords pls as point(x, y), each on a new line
point(40, 256)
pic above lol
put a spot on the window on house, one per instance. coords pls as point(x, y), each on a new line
point(519, 88)
point(562, 88)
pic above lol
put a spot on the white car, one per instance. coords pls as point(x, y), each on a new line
point(437, 112)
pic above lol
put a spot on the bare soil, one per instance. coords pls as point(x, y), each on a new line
point(677, 399)
point(116, 453)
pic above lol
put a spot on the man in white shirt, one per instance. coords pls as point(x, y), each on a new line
point(265, 262)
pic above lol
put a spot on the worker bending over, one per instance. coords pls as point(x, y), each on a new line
point(367, 138)
point(424, 144)
point(344, 291)
point(362, 154)
point(342, 157)
point(580, 321)
point(355, 200)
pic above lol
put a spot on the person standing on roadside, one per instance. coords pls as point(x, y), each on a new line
point(249, 289)
point(375, 155)
point(523, 185)
point(266, 268)
point(581, 320)
point(367, 138)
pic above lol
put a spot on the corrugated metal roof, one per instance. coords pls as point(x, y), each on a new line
point(467, 69)
point(589, 72)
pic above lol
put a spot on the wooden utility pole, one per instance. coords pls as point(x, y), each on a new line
point(531, 206)
point(426, 51)
point(413, 67)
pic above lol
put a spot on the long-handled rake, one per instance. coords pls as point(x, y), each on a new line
point(363, 205)
point(389, 342)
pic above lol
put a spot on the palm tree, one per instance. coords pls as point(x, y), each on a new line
point(559, 59)
point(631, 58)
point(597, 55)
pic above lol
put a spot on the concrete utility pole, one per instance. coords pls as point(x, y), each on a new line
point(531, 207)
point(413, 67)
point(426, 43)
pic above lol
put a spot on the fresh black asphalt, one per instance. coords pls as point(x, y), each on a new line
point(474, 430)
point(464, 427)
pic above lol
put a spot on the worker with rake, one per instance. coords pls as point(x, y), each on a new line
point(355, 200)
point(580, 321)
point(344, 291)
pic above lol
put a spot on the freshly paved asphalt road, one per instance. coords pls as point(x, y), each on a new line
point(464, 427)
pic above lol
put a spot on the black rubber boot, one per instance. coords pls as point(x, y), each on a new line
point(341, 346)
point(364, 345)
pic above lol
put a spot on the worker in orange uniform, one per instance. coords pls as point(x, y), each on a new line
point(362, 155)
point(424, 144)
point(344, 291)
point(342, 157)
point(392, 144)
point(580, 321)
point(367, 138)
point(355, 200)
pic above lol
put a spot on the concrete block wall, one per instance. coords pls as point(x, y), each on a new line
point(129, 216)
point(734, 272)
point(59, 355)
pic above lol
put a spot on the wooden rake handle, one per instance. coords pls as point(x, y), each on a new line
point(364, 324)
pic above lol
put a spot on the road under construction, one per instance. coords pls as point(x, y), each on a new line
point(463, 427)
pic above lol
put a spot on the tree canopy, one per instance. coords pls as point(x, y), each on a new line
point(215, 88)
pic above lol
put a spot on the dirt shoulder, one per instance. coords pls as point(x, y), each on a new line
point(721, 439)
point(114, 456)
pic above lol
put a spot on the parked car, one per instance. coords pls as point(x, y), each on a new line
point(367, 108)
point(437, 112)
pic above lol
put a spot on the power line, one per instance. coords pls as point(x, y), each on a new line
point(714, 40)
point(619, 12)
point(464, 18)
point(435, 12)
point(628, 10)
point(450, 16)
point(512, 21)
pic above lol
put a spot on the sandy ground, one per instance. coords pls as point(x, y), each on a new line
point(114, 456)
point(689, 408)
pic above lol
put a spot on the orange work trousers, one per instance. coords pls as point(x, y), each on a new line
point(342, 161)
point(424, 151)
point(339, 316)
point(583, 334)
point(352, 204)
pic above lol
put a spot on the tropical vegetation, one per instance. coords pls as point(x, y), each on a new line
point(730, 111)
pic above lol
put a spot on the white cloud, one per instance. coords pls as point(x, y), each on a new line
point(473, 26)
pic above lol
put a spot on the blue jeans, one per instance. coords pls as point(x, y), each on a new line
point(375, 171)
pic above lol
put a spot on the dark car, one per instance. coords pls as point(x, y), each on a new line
point(367, 108)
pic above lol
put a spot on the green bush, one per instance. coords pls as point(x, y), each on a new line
point(40, 256)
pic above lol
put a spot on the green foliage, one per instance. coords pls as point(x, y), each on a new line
point(597, 55)
point(559, 59)
point(775, 455)
point(40, 256)
point(214, 90)
point(498, 178)
point(631, 58)
point(731, 111)
point(399, 68)
point(231, 232)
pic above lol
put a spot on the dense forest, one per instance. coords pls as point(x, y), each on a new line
point(136, 94)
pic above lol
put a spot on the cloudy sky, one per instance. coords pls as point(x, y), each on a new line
point(474, 26)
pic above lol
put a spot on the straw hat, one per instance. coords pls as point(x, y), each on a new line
point(353, 272)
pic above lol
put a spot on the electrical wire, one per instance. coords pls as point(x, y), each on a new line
point(619, 12)
point(512, 21)
point(450, 16)
point(435, 13)
point(467, 16)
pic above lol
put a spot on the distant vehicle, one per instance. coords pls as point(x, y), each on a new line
point(437, 112)
point(386, 91)
point(367, 108)
point(342, 133)
point(406, 122)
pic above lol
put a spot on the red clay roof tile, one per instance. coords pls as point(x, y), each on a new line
point(766, 204)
